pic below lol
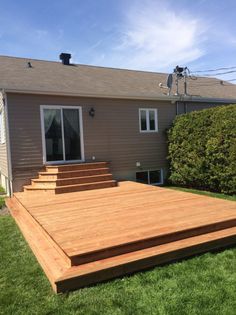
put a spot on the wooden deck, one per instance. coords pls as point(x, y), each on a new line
point(88, 236)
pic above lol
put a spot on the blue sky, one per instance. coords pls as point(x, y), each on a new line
point(146, 35)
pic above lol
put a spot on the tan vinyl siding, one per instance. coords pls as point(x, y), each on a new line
point(3, 146)
point(112, 135)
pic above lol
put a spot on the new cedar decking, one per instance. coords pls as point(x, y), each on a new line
point(59, 179)
point(89, 236)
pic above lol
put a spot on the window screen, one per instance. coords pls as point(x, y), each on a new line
point(152, 123)
point(155, 177)
point(142, 177)
point(143, 120)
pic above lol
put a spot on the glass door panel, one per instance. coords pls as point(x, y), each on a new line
point(71, 123)
point(53, 134)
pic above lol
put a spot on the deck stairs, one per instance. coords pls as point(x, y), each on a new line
point(65, 178)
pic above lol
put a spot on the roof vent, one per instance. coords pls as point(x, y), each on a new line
point(65, 58)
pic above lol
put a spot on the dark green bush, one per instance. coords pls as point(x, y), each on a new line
point(202, 150)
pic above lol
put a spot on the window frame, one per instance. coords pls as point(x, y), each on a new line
point(79, 107)
point(148, 171)
point(147, 110)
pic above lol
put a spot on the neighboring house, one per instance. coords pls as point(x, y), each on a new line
point(51, 112)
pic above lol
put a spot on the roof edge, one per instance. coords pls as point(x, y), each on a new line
point(173, 98)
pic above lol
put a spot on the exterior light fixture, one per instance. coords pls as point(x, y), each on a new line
point(92, 112)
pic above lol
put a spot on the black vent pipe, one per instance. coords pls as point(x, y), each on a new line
point(65, 58)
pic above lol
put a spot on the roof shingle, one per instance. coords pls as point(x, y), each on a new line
point(54, 77)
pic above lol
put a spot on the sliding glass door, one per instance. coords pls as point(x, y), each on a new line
point(62, 133)
point(53, 135)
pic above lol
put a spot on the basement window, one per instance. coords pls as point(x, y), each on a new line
point(148, 120)
point(151, 177)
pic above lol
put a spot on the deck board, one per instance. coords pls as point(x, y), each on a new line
point(93, 220)
point(84, 237)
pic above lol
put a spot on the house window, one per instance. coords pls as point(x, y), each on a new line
point(148, 120)
point(142, 177)
point(151, 177)
point(2, 128)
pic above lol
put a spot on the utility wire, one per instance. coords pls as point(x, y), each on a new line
point(219, 73)
point(213, 70)
point(190, 77)
point(211, 83)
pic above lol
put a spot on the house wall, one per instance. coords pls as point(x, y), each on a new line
point(112, 135)
point(3, 151)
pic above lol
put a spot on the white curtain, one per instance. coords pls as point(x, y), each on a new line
point(71, 116)
point(49, 115)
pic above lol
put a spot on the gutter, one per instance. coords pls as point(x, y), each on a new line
point(8, 145)
point(173, 98)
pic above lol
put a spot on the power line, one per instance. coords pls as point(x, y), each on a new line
point(213, 70)
point(219, 73)
point(211, 82)
point(203, 80)
point(210, 85)
point(219, 83)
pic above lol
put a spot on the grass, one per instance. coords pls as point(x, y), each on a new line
point(203, 192)
point(205, 284)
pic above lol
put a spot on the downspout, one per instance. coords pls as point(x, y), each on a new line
point(9, 164)
point(185, 107)
point(177, 108)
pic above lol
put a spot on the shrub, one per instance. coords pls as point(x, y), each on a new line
point(2, 202)
point(202, 149)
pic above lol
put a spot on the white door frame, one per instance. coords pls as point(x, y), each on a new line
point(64, 161)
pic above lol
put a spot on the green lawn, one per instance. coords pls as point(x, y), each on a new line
point(206, 193)
point(202, 285)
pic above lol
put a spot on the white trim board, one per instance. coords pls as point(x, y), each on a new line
point(8, 143)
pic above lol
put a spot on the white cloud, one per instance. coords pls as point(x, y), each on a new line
point(154, 37)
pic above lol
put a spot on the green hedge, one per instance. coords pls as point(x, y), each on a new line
point(202, 150)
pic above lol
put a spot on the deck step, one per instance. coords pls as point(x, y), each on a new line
point(79, 276)
point(64, 278)
point(73, 188)
point(38, 238)
point(58, 179)
point(73, 167)
point(142, 243)
point(179, 239)
point(76, 173)
point(39, 182)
